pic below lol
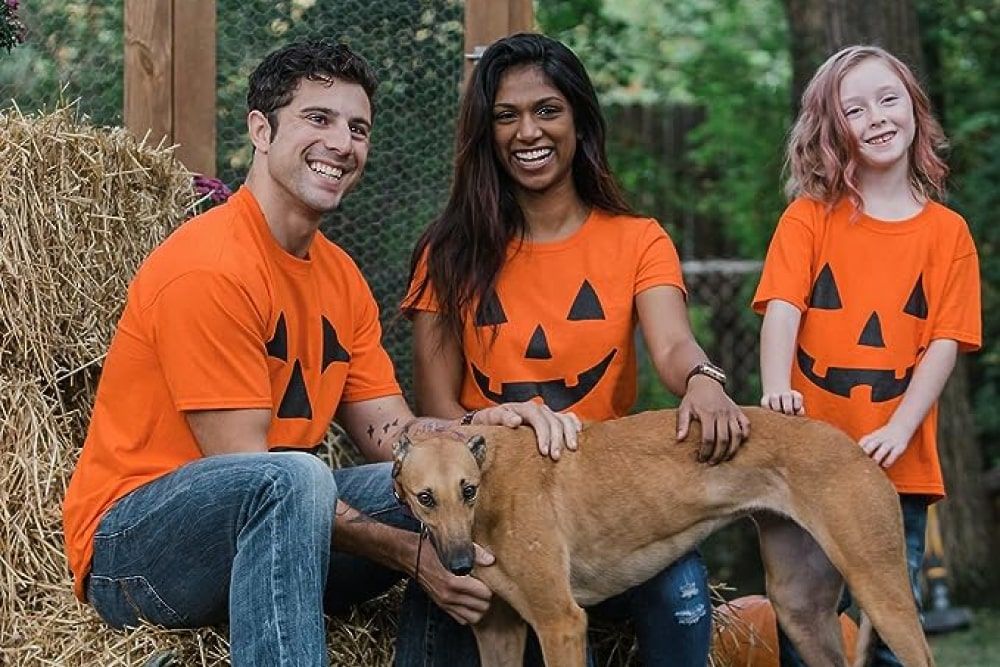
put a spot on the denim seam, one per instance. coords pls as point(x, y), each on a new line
point(275, 546)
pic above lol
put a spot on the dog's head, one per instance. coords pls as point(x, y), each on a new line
point(437, 476)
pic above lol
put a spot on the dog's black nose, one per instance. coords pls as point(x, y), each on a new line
point(460, 565)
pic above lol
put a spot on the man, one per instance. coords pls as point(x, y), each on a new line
point(244, 332)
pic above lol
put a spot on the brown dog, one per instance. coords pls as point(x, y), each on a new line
point(632, 500)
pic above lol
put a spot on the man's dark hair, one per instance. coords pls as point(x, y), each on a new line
point(276, 78)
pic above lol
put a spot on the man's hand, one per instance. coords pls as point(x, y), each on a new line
point(724, 427)
point(554, 431)
point(887, 444)
point(465, 599)
point(788, 401)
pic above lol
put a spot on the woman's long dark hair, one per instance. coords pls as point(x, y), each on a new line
point(467, 244)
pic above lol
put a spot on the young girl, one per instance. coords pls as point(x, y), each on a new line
point(870, 287)
point(529, 287)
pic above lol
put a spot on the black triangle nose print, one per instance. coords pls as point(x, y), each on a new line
point(295, 403)
point(277, 347)
point(871, 335)
point(332, 349)
point(586, 305)
point(538, 346)
point(916, 305)
point(825, 295)
point(490, 311)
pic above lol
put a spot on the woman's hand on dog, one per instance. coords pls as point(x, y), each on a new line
point(724, 427)
point(554, 431)
point(465, 599)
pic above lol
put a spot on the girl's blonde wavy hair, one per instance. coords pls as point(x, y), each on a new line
point(822, 160)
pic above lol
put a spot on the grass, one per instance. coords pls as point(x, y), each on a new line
point(979, 646)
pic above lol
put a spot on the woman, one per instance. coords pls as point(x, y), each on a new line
point(529, 287)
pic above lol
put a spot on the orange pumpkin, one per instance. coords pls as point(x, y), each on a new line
point(752, 638)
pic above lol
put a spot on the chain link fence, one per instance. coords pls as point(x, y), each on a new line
point(73, 49)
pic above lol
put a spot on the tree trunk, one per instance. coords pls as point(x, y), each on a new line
point(821, 27)
point(965, 514)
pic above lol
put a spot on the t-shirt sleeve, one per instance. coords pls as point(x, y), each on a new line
point(370, 373)
point(208, 337)
point(659, 263)
point(420, 297)
point(960, 316)
point(787, 271)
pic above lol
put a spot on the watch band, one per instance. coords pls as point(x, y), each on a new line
point(467, 418)
point(708, 369)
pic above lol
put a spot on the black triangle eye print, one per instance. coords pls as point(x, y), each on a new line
point(586, 305)
point(871, 335)
point(916, 305)
point(277, 347)
point(490, 312)
point(332, 349)
point(538, 346)
point(825, 295)
point(295, 403)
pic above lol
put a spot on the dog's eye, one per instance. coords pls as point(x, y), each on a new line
point(425, 498)
point(469, 492)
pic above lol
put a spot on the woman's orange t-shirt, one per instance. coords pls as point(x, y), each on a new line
point(565, 317)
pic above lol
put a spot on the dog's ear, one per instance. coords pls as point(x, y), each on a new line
point(477, 445)
point(399, 451)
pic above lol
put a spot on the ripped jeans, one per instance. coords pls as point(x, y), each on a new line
point(672, 614)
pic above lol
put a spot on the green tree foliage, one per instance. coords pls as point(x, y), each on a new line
point(960, 39)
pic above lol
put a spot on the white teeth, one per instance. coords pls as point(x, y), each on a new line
point(533, 155)
point(881, 139)
point(326, 170)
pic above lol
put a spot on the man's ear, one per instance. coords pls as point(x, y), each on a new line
point(477, 445)
point(399, 451)
point(259, 128)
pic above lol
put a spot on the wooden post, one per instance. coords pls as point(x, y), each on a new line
point(488, 20)
point(170, 76)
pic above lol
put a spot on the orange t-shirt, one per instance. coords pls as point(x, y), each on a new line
point(873, 296)
point(221, 317)
point(566, 316)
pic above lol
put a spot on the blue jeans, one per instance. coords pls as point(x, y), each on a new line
point(671, 613)
point(914, 531)
point(243, 537)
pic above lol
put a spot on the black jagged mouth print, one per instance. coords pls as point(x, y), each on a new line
point(556, 394)
point(840, 381)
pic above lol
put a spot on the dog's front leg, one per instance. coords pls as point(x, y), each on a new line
point(500, 635)
point(563, 637)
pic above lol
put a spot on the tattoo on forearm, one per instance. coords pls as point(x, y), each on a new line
point(371, 431)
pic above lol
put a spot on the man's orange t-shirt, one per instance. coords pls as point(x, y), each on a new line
point(873, 296)
point(566, 317)
point(221, 317)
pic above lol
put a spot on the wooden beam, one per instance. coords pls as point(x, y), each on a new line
point(148, 68)
point(488, 20)
point(194, 84)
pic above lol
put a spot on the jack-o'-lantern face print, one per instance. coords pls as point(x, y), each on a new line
point(861, 337)
point(555, 325)
point(285, 347)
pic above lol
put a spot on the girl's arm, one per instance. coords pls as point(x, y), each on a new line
point(888, 443)
point(674, 352)
point(777, 346)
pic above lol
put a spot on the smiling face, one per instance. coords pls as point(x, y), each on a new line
point(534, 135)
point(318, 151)
point(879, 114)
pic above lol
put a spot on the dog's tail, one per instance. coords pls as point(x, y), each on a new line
point(863, 538)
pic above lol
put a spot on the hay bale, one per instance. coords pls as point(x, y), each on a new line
point(80, 208)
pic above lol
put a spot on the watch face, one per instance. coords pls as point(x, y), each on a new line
point(713, 371)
